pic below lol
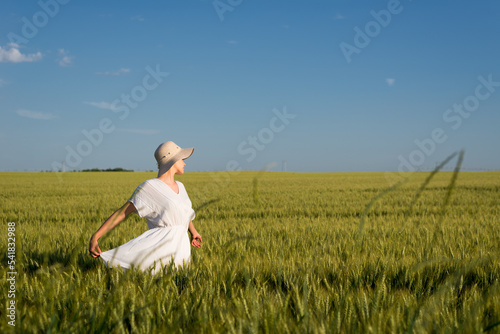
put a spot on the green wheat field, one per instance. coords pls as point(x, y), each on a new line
point(282, 253)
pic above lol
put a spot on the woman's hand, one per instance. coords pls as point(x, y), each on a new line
point(195, 236)
point(196, 240)
point(94, 249)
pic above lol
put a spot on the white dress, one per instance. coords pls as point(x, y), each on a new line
point(168, 215)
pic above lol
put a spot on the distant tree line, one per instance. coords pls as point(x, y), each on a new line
point(118, 169)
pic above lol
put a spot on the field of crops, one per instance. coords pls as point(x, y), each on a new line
point(282, 253)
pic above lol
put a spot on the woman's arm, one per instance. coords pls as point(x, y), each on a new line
point(195, 236)
point(116, 218)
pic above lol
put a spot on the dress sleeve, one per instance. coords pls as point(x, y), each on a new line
point(141, 200)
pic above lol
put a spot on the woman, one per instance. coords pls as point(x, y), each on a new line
point(167, 208)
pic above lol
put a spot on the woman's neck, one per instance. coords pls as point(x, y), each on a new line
point(168, 177)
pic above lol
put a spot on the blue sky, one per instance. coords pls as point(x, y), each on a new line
point(327, 86)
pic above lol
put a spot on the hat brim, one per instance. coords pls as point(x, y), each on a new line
point(182, 155)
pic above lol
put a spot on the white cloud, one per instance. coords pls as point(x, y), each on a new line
point(137, 18)
point(148, 132)
point(339, 17)
point(13, 55)
point(64, 59)
point(119, 72)
point(390, 81)
point(232, 42)
point(102, 105)
point(34, 114)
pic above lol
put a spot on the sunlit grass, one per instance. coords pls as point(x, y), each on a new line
point(282, 253)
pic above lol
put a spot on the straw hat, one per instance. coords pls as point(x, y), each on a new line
point(168, 153)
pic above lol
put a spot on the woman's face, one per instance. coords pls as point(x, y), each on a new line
point(179, 166)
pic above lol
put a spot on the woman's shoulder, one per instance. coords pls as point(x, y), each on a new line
point(147, 183)
point(145, 186)
point(149, 190)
